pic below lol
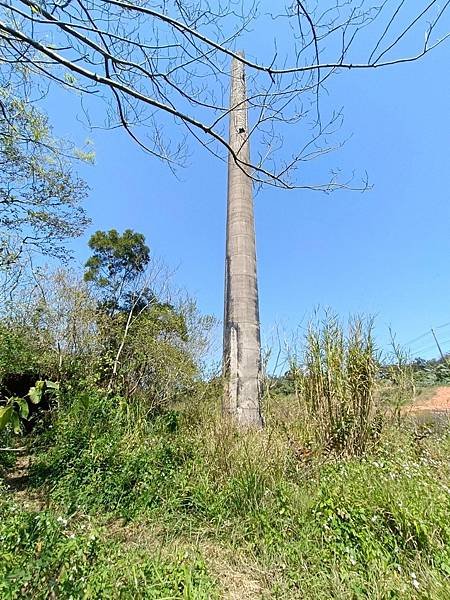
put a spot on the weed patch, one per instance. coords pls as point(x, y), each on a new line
point(44, 556)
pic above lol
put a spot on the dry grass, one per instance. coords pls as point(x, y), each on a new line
point(238, 576)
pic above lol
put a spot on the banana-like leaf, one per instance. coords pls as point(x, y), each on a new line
point(15, 422)
point(24, 409)
point(5, 415)
point(35, 395)
point(36, 392)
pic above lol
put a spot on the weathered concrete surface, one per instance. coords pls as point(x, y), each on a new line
point(242, 345)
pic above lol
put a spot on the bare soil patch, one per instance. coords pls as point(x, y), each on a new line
point(16, 481)
point(431, 407)
point(436, 400)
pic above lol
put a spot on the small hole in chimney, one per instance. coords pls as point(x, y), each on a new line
point(241, 130)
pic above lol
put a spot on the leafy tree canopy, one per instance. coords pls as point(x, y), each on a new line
point(116, 264)
point(40, 195)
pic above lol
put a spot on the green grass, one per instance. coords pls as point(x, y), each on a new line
point(44, 556)
point(257, 513)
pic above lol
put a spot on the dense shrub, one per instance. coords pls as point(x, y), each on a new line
point(321, 504)
point(431, 372)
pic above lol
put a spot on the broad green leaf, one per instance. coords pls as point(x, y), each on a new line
point(35, 395)
point(24, 409)
point(5, 416)
point(52, 385)
point(15, 422)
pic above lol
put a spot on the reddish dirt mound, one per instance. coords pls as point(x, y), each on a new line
point(437, 401)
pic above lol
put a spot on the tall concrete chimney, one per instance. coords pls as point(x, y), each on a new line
point(242, 344)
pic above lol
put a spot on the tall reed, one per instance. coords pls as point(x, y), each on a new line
point(337, 380)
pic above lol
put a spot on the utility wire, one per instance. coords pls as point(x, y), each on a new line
point(416, 339)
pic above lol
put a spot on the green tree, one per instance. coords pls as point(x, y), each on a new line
point(40, 195)
point(144, 336)
point(115, 267)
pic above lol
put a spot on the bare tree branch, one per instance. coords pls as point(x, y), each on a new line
point(156, 67)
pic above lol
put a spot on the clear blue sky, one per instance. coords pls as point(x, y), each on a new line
point(385, 252)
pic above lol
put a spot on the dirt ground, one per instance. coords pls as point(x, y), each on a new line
point(436, 400)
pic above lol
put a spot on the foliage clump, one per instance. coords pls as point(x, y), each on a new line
point(115, 265)
point(431, 372)
point(316, 526)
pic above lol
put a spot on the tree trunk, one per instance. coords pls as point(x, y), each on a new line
point(242, 345)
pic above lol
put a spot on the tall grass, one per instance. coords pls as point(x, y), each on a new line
point(336, 380)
